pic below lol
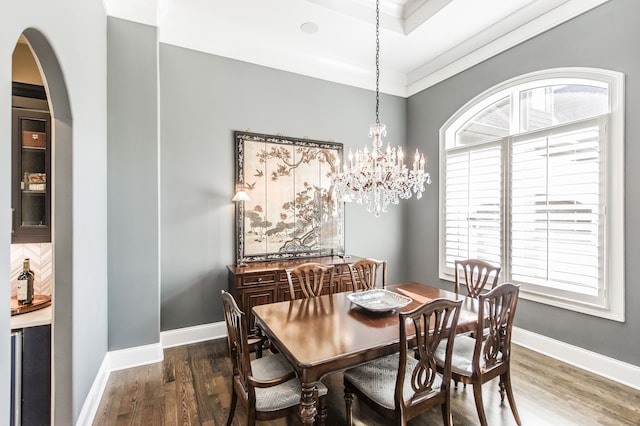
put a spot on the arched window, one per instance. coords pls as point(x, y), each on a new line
point(531, 179)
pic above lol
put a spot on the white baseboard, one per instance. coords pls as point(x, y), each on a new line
point(134, 357)
point(113, 361)
point(91, 403)
point(188, 335)
point(142, 355)
point(610, 368)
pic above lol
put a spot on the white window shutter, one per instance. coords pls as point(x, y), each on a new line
point(556, 234)
point(473, 204)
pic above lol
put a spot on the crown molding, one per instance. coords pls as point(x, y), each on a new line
point(487, 44)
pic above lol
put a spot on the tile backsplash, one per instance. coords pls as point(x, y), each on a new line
point(41, 262)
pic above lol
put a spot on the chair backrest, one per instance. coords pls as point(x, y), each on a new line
point(433, 321)
point(364, 273)
point(311, 277)
point(475, 275)
point(496, 311)
point(237, 338)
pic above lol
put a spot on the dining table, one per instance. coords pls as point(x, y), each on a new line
point(330, 333)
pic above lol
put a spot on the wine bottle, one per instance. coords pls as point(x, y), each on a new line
point(25, 284)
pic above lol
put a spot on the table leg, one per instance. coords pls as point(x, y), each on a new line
point(260, 343)
point(308, 403)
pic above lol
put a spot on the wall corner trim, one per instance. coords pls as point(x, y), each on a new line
point(610, 368)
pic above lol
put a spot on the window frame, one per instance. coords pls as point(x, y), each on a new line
point(611, 304)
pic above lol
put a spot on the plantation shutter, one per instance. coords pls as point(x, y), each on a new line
point(473, 200)
point(556, 227)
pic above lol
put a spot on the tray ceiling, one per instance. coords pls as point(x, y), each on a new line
point(422, 41)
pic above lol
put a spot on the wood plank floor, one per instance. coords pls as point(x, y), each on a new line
point(192, 387)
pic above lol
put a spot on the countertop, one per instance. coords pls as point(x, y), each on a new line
point(32, 319)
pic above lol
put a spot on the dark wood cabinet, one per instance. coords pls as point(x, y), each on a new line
point(31, 171)
point(266, 282)
point(36, 376)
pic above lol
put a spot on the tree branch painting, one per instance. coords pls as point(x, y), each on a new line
point(293, 211)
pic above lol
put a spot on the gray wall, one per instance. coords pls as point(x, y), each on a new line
point(73, 50)
point(134, 284)
point(606, 37)
point(204, 98)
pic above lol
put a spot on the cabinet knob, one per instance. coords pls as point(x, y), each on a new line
point(259, 279)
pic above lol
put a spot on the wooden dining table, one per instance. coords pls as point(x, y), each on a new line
point(326, 334)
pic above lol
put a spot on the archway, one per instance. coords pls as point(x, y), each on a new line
point(62, 226)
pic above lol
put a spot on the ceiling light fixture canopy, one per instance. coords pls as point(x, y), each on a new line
point(379, 178)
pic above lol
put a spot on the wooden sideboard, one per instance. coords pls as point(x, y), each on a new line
point(266, 282)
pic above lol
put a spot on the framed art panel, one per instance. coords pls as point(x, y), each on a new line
point(292, 211)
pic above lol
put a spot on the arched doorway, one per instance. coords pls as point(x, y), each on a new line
point(61, 221)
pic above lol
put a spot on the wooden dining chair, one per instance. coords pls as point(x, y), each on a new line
point(364, 274)
point(311, 278)
point(477, 360)
point(475, 274)
point(400, 386)
point(267, 387)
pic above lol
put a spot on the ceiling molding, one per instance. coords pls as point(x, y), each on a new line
point(421, 12)
point(423, 43)
point(401, 16)
point(484, 46)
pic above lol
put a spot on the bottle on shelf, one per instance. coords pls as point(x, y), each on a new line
point(25, 284)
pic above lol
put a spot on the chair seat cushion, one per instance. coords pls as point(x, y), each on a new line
point(377, 379)
point(462, 360)
point(281, 396)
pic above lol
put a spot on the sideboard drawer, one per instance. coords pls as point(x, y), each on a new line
point(253, 279)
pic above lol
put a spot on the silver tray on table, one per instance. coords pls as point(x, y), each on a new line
point(379, 300)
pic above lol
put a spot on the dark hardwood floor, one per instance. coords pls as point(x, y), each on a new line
point(192, 387)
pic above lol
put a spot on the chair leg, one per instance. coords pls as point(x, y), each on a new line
point(506, 379)
point(232, 409)
point(477, 395)
point(348, 402)
point(321, 417)
point(251, 417)
point(446, 413)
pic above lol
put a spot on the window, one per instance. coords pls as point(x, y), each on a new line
point(531, 178)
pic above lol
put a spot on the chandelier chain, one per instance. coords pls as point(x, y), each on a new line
point(377, 61)
point(379, 178)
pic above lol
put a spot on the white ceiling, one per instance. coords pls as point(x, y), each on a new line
point(422, 42)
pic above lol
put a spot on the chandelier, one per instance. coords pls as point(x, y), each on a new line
point(377, 179)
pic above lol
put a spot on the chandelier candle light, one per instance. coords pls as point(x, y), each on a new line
point(379, 178)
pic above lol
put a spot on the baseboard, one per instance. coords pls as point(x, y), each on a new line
point(141, 355)
point(188, 335)
point(91, 403)
point(113, 361)
point(133, 357)
point(610, 368)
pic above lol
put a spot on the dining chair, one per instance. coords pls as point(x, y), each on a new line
point(311, 279)
point(400, 386)
point(487, 355)
point(364, 273)
point(475, 275)
point(267, 387)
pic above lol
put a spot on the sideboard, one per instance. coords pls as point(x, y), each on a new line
point(266, 282)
